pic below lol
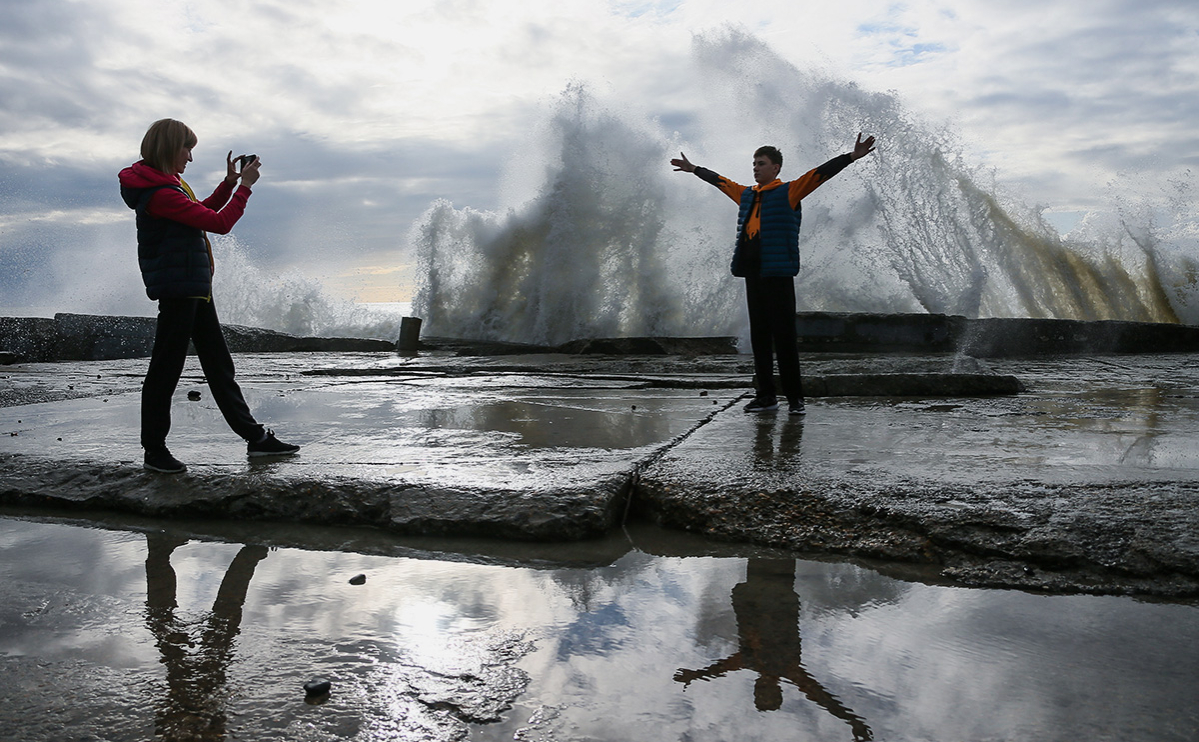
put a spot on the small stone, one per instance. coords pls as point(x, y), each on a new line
point(358, 580)
point(317, 687)
point(634, 407)
point(193, 396)
point(703, 394)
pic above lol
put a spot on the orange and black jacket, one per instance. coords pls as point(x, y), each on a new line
point(769, 218)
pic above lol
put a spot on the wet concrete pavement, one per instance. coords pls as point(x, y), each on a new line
point(1088, 481)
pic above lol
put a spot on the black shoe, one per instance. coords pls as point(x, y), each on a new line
point(270, 446)
point(161, 460)
point(796, 408)
point(762, 404)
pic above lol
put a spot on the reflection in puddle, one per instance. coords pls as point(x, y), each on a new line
point(119, 635)
point(767, 611)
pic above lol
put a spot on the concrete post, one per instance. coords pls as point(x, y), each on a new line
point(409, 334)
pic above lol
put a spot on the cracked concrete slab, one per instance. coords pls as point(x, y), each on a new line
point(1085, 481)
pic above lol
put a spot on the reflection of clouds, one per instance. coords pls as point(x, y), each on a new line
point(838, 588)
point(1039, 666)
point(553, 423)
point(422, 636)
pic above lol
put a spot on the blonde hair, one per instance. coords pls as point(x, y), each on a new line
point(163, 142)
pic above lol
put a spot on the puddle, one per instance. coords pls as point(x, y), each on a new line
point(142, 631)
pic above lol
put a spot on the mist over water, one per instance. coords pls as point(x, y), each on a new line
point(612, 242)
point(290, 302)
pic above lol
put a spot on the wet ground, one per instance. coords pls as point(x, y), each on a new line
point(121, 628)
point(1087, 481)
point(137, 606)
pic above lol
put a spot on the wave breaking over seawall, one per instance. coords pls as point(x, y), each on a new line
point(613, 243)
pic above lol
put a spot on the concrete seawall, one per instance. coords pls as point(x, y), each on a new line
point(86, 337)
point(76, 337)
point(986, 338)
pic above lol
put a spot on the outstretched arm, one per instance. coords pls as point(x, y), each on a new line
point(714, 670)
point(816, 177)
point(730, 189)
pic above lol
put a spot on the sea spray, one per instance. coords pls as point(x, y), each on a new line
point(589, 255)
point(614, 243)
point(289, 302)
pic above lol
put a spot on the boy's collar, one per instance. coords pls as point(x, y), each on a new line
point(771, 185)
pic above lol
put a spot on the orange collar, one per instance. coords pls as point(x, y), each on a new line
point(769, 186)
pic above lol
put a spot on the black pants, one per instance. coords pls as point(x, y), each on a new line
point(771, 302)
point(180, 321)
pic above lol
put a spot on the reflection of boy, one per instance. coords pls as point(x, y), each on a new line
point(767, 610)
point(766, 255)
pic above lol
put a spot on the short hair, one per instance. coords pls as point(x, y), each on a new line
point(771, 152)
point(163, 142)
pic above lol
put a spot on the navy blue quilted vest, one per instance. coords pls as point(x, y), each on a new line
point(779, 232)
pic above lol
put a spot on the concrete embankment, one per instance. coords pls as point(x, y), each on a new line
point(86, 337)
point(845, 332)
point(74, 337)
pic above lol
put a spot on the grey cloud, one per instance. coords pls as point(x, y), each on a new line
point(1121, 76)
point(360, 208)
point(47, 45)
point(63, 76)
point(35, 32)
point(317, 199)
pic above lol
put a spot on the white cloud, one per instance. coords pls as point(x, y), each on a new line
point(390, 106)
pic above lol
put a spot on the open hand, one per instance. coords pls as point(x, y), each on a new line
point(861, 149)
point(683, 164)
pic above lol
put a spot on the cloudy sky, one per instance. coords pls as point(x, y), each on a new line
point(365, 113)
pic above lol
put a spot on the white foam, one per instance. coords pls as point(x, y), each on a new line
point(614, 243)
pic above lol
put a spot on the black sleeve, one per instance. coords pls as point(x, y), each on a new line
point(833, 166)
point(708, 176)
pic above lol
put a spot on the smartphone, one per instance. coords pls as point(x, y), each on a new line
point(245, 160)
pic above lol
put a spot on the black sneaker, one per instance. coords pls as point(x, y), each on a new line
point(762, 404)
point(270, 446)
point(796, 408)
point(161, 460)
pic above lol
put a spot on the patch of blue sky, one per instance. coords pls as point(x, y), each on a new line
point(638, 8)
point(899, 38)
point(905, 56)
point(887, 28)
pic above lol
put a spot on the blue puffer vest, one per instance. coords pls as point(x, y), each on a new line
point(779, 232)
point(173, 256)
